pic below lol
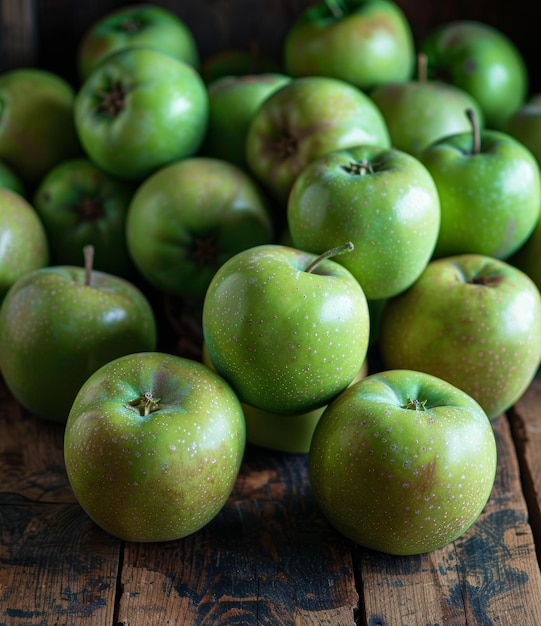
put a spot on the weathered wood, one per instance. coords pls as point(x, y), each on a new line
point(488, 574)
point(268, 558)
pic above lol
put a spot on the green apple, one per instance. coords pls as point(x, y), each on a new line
point(489, 185)
point(289, 330)
point(136, 26)
point(472, 320)
point(80, 204)
point(37, 128)
point(525, 125)
point(418, 112)
point(382, 200)
point(364, 42)
point(139, 110)
point(528, 257)
point(153, 446)
point(291, 434)
point(482, 60)
point(59, 324)
point(9, 179)
point(233, 100)
point(304, 120)
point(24, 246)
point(188, 218)
point(403, 462)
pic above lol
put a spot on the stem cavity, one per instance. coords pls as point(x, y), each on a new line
point(145, 404)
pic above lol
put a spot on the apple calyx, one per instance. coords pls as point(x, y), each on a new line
point(112, 99)
point(285, 146)
point(145, 404)
point(360, 168)
point(415, 405)
point(89, 209)
point(205, 250)
point(476, 132)
point(345, 247)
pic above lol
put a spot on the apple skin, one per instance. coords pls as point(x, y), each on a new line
point(496, 188)
point(364, 42)
point(80, 204)
point(188, 218)
point(395, 476)
point(304, 120)
point(136, 26)
point(161, 476)
point(233, 100)
point(287, 340)
point(525, 125)
point(472, 320)
point(24, 246)
point(37, 129)
point(419, 112)
point(56, 330)
point(482, 60)
point(9, 179)
point(139, 110)
point(382, 200)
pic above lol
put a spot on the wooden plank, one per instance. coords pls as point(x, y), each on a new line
point(268, 558)
point(484, 577)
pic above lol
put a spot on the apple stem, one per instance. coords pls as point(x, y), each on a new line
point(334, 7)
point(88, 252)
point(345, 247)
point(145, 404)
point(422, 67)
point(476, 131)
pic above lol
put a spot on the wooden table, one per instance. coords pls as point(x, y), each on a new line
point(269, 557)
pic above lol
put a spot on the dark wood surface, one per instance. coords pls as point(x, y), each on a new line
point(269, 557)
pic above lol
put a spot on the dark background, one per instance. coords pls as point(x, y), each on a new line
point(45, 33)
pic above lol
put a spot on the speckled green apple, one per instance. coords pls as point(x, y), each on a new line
point(23, 242)
point(482, 60)
point(288, 330)
point(136, 26)
point(153, 446)
point(139, 110)
point(489, 187)
point(59, 324)
point(382, 200)
point(304, 120)
point(420, 111)
point(80, 204)
point(364, 42)
point(472, 320)
point(189, 217)
point(403, 462)
point(37, 128)
point(233, 100)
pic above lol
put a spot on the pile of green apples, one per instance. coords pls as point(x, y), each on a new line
point(358, 227)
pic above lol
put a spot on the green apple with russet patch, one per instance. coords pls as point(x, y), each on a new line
point(403, 462)
point(59, 324)
point(24, 246)
point(140, 110)
point(303, 120)
point(419, 111)
point(147, 26)
point(364, 42)
point(483, 61)
point(489, 185)
point(288, 329)
point(189, 217)
point(37, 128)
point(472, 320)
point(80, 204)
point(382, 200)
point(153, 445)
point(233, 100)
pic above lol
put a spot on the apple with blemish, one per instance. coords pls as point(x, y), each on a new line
point(153, 446)
point(288, 329)
point(59, 324)
point(472, 320)
point(403, 462)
